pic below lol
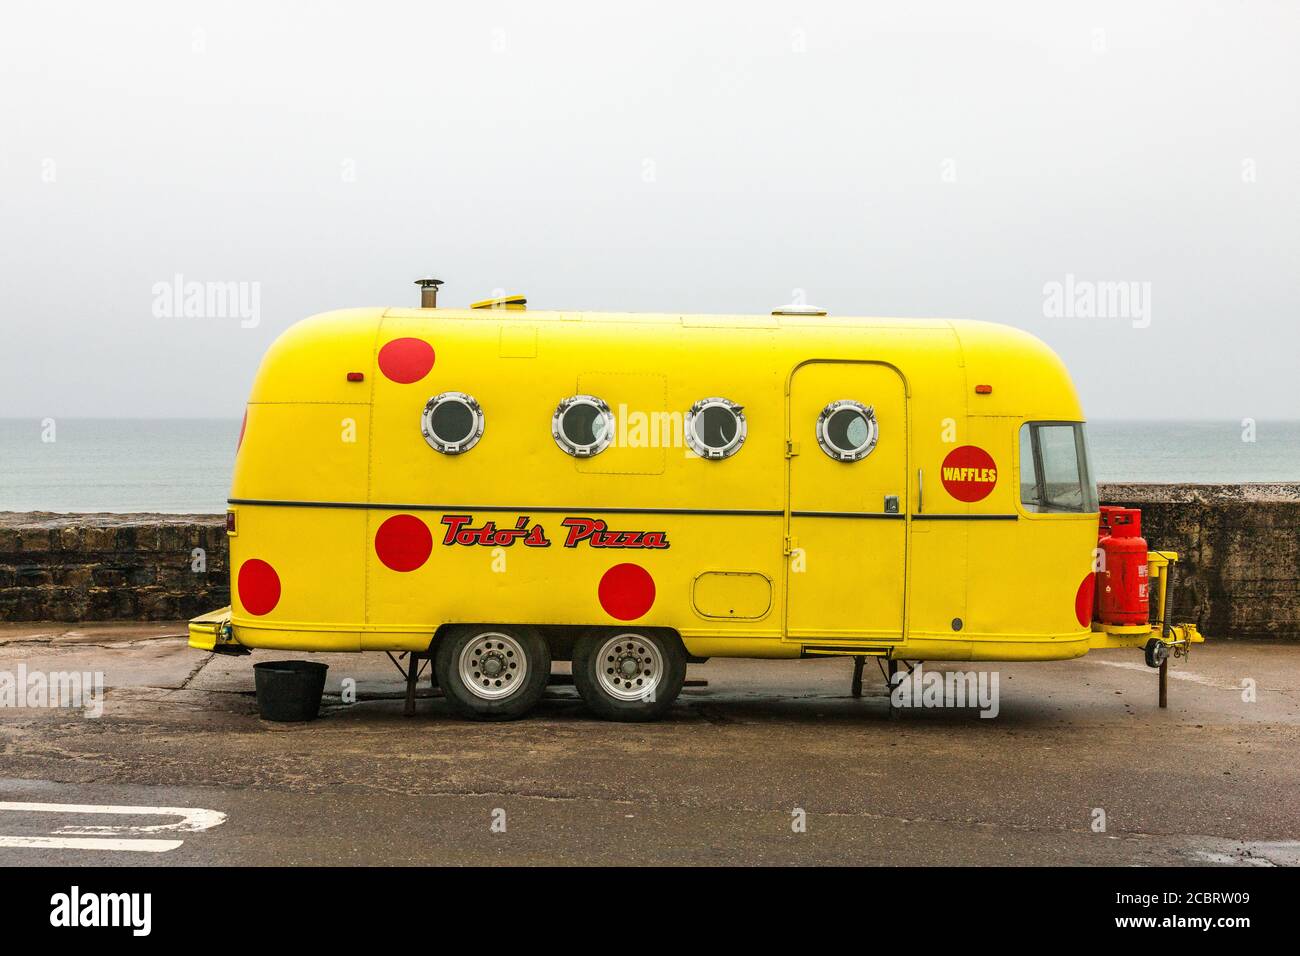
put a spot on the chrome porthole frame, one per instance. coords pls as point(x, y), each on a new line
point(442, 445)
point(578, 449)
point(847, 454)
point(693, 439)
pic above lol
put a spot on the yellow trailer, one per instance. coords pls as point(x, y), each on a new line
point(505, 487)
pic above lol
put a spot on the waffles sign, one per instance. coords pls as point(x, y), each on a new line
point(969, 473)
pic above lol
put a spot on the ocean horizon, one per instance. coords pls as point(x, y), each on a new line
point(183, 465)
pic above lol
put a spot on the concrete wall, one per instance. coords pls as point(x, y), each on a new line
point(109, 567)
point(1239, 576)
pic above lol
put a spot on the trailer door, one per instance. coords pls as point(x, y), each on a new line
point(846, 455)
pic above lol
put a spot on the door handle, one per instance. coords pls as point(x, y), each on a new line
point(920, 491)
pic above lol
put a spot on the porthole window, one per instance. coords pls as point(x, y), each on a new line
point(847, 430)
point(715, 428)
point(582, 426)
point(452, 423)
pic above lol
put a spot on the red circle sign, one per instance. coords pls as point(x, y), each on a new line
point(626, 591)
point(969, 473)
point(406, 360)
point(259, 587)
point(403, 542)
point(1083, 599)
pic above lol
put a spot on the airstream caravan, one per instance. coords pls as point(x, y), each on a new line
point(499, 488)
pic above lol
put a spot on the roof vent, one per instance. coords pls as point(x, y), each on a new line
point(515, 303)
point(794, 309)
point(428, 292)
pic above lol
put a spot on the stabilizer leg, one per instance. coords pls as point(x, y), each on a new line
point(858, 663)
point(412, 675)
point(889, 688)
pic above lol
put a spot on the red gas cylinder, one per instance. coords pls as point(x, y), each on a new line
point(1122, 594)
point(1103, 532)
point(1103, 526)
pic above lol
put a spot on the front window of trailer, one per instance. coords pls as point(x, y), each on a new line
point(1055, 475)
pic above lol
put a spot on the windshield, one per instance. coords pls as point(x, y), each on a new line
point(1054, 470)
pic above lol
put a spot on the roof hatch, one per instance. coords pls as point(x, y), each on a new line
point(515, 303)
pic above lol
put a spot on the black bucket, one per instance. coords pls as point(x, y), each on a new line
point(289, 690)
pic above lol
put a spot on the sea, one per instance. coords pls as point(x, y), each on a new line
point(182, 466)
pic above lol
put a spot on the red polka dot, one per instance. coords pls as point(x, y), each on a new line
point(243, 426)
point(406, 360)
point(626, 591)
point(403, 542)
point(259, 587)
point(1083, 600)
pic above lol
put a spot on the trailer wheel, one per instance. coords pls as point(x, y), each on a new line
point(492, 672)
point(1156, 652)
point(629, 675)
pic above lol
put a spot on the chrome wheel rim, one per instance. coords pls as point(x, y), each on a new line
point(493, 665)
point(629, 667)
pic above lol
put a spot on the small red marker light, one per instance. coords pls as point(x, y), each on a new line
point(983, 389)
point(356, 376)
point(230, 522)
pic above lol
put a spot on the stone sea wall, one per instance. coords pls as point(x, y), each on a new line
point(1238, 573)
point(101, 567)
point(1238, 577)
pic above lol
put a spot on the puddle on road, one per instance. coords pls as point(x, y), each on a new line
point(1254, 853)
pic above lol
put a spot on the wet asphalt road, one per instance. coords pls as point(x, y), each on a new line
point(1214, 779)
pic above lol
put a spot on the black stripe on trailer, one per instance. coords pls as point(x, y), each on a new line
point(552, 509)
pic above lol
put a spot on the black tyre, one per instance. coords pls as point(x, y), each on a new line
point(629, 674)
point(492, 672)
point(1156, 651)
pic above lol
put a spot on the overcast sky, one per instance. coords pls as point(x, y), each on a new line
point(928, 159)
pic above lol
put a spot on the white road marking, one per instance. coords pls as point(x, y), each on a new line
point(1175, 674)
point(84, 837)
point(91, 843)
